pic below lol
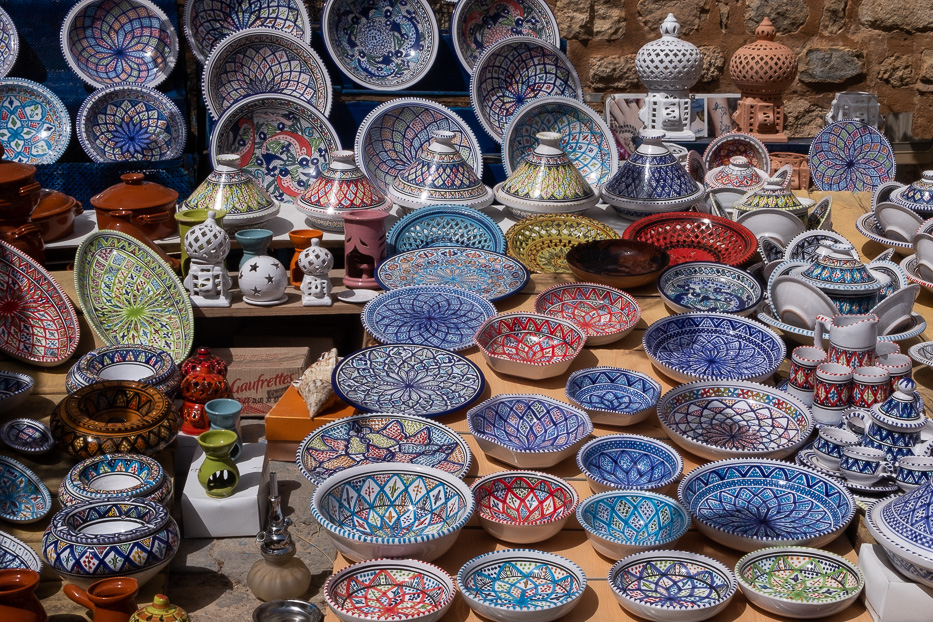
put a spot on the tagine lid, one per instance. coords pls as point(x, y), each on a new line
point(763, 66)
point(738, 173)
point(773, 195)
point(546, 175)
point(234, 191)
point(837, 268)
point(134, 193)
point(669, 63)
point(905, 523)
point(652, 175)
point(342, 186)
point(11, 171)
point(918, 195)
point(901, 407)
point(439, 174)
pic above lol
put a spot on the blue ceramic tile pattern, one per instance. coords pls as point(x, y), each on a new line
point(612, 389)
point(911, 517)
point(17, 554)
point(23, 496)
point(35, 126)
point(850, 156)
point(642, 519)
point(445, 225)
point(630, 461)
point(529, 423)
point(523, 581)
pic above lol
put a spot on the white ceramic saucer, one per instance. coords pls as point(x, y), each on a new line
point(357, 296)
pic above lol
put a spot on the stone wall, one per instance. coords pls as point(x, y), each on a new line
point(882, 46)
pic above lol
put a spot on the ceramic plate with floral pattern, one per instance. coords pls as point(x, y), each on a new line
point(477, 24)
point(850, 156)
point(9, 43)
point(35, 126)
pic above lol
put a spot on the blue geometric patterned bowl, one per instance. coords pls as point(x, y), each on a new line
point(613, 396)
point(392, 510)
point(141, 363)
point(709, 286)
point(23, 496)
point(623, 522)
point(445, 225)
point(27, 436)
point(748, 504)
point(14, 388)
point(113, 476)
point(14, 553)
point(528, 431)
point(629, 461)
point(35, 126)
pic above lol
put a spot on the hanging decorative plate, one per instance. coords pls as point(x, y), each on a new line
point(35, 126)
point(542, 242)
point(208, 22)
point(264, 61)
point(514, 72)
point(15, 553)
point(850, 156)
point(867, 225)
point(385, 45)
point(281, 142)
point(38, 325)
point(129, 295)
point(23, 496)
point(732, 144)
point(391, 137)
point(585, 137)
point(411, 379)
point(119, 42)
point(445, 225)
point(477, 24)
point(9, 47)
point(123, 123)
point(491, 275)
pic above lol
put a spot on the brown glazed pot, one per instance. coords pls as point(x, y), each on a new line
point(19, 191)
point(25, 237)
point(152, 205)
point(55, 215)
point(17, 596)
point(124, 222)
point(111, 600)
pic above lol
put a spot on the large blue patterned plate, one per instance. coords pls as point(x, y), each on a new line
point(493, 276)
point(629, 462)
point(119, 42)
point(9, 46)
point(515, 71)
point(585, 137)
point(385, 45)
point(35, 126)
point(23, 496)
point(208, 22)
point(130, 123)
point(15, 553)
point(410, 379)
point(264, 61)
point(850, 156)
point(445, 225)
point(477, 24)
point(442, 317)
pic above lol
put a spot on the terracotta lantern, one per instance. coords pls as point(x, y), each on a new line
point(763, 70)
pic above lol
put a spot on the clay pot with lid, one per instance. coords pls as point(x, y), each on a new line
point(24, 236)
point(19, 190)
point(152, 205)
point(55, 214)
point(124, 222)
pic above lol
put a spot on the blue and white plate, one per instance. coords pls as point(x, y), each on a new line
point(850, 156)
point(445, 225)
point(35, 126)
point(9, 43)
point(629, 462)
point(16, 554)
point(23, 496)
point(709, 286)
point(477, 24)
point(123, 123)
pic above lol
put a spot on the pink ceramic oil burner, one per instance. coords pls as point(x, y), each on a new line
point(364, 247)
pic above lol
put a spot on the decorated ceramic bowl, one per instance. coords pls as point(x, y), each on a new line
point(909, 264)
point(709, 286)
point(900, 524)
point(528, 431)
point(14, 389)
point(23, 496)
point(623, 522)
point(445, 225)
point(44, 138)
point(9, 43)
point(748, 504)
point(397, 510)
point(520, 585)
point(14, 554)
point(605, 314)
point(613, 396)
point(116, 476)
point(691, 236)
point(477, 24)
point(523, 506)
point(542, 242)
point(404, 590)
point(617, 263)
point(806, 246)
point(732, 144)
point(868, 225)
point(529, 345)
point(146, 364)
point(627, 462)
point(94, 540)
point(27, 436)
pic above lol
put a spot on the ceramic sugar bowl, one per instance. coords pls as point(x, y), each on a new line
point(903, 526)
point(730, 182)
point(229, 188)
point(341, 187)
point(895, 425)
point(773, 195)
point(918, 196)
point(160, 610)
point(841, 275)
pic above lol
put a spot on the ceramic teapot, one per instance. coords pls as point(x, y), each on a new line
point(838, 271)
point(895, 425)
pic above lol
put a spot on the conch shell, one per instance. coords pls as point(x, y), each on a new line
point(314, 385)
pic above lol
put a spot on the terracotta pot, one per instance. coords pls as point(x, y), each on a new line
point(55, 215)
point(124, 222)
point(17, 598)
point(110, 600)
point(27, 238)
point(800, 178)
point(301, 238)
point(19, 191)
point(152, 205)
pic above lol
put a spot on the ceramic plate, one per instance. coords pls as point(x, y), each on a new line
point(38, 325)
point(410, 379)
point(35, 126)
point(119, 42)
point(491, 275)
point(23, 496)
point(514, 72)
point(129, 295)
point(868, 226)
point(542, 242)
point(15, 553)
point(922, 353)
point(264, 61)
point(27, 436)
point(130, 123)
point(445, 225)
point(392, 135)
point(477, 24)
point(585, 137)
point(733, 144)
point(850, 156)
point(208, 22)
point(9, 47)
point(909, 264)
point(385, 45)
point(280, 141)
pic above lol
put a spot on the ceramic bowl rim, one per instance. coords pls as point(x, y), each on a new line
point(54, 101)
point(81, 368)
point(915, 353)
point(506, 397)
point(403, 225)
point(774, 551)
point(39, 426)
point(627, 372)
point(888, 542)
point(647, 223)
point(483, 345)
point(34, 558)
point(745, 279)
point(593, 446)
point(162, 406)
point(798, 239)
point(633, 493)
point(617, 294)
point(559, 482)
point(28, 383)
point(909, 264)
point(743, 137)
point(59, 528)
point(571, 255)
point(43, 490)
point(74, 480)
point(14, 44)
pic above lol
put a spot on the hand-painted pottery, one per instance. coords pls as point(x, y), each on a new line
point(806, 246)
point(114, 477)
point(23, 496)
point(902, 526)
point(520, 585)
point(623, 522)
point(714, 347)
point(411, 379)
point(208, 22)
point(542, 242)
point(491, 275)
point(264, 61)
point(146, 364)
point(731, 144)
point(721, 419)
point(628, 462)
point(605, 314)
point(799, 582)
point(773, 195)
point(584, 136)
point(27, 436)
point(523, 506)
point(530, 345)
point(777, 224)
point(613, 396)
point(393, 135)
point(515, 71)
point(690, 236)
point(15, 553)
point(390, 589)
point(922, 353)
point(821, 216)
point(528, 431)
point(617, 263)
point(445, 225)
point(899, 223)
point(736, 174)
point(477, 24)
point(341, 187)
point(229, 188)
point(35, 126)
point(918, 196)
point(672, 586)
point(709, 286)
point(140, 301)
point(385, 45)
point(14, 388)
point(392, 510)
point(93, 540)
point(119, 42)
point(850, 156)
point(38, 325)
point(842, 276)
point(895, 425)
point(805, 335)
point(747, 504)
point(9, 43)
point(909, 264)
point(115, 416)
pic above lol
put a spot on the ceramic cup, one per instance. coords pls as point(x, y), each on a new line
point(802, 380)
point(884, 349)
point(913, 471)
point(224, 414)
point(832, 393)
point(899, 367)
point(870, 384)
point(830, 443)
point(865, 465)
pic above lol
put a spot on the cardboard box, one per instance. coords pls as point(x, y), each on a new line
point(258, 377)
point(889, 595)
point(288, 421)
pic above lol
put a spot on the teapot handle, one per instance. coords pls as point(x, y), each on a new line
point(78, 595)
point(822, 322)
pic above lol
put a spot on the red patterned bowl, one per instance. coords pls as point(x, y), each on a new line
point(529, 345)
point(691, 236)
point(523, 506)
point(604, 313)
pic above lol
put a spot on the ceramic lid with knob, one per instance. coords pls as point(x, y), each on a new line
point(342, 186)
point(918, 196)
point(669, 63)
point(160, 610)
point(231, 189)
point(135, 193)
point(15, 173)
point(737, 173)
point(901, 408)
point(903, 525)
point(772, 195)
point(837, 268)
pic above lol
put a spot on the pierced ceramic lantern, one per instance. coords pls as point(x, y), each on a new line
point(207, 280)
point(229, 188)
point(763, 70)
point(263, 281)
point(668, 66)
point(316, 262)
point(341, 187)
